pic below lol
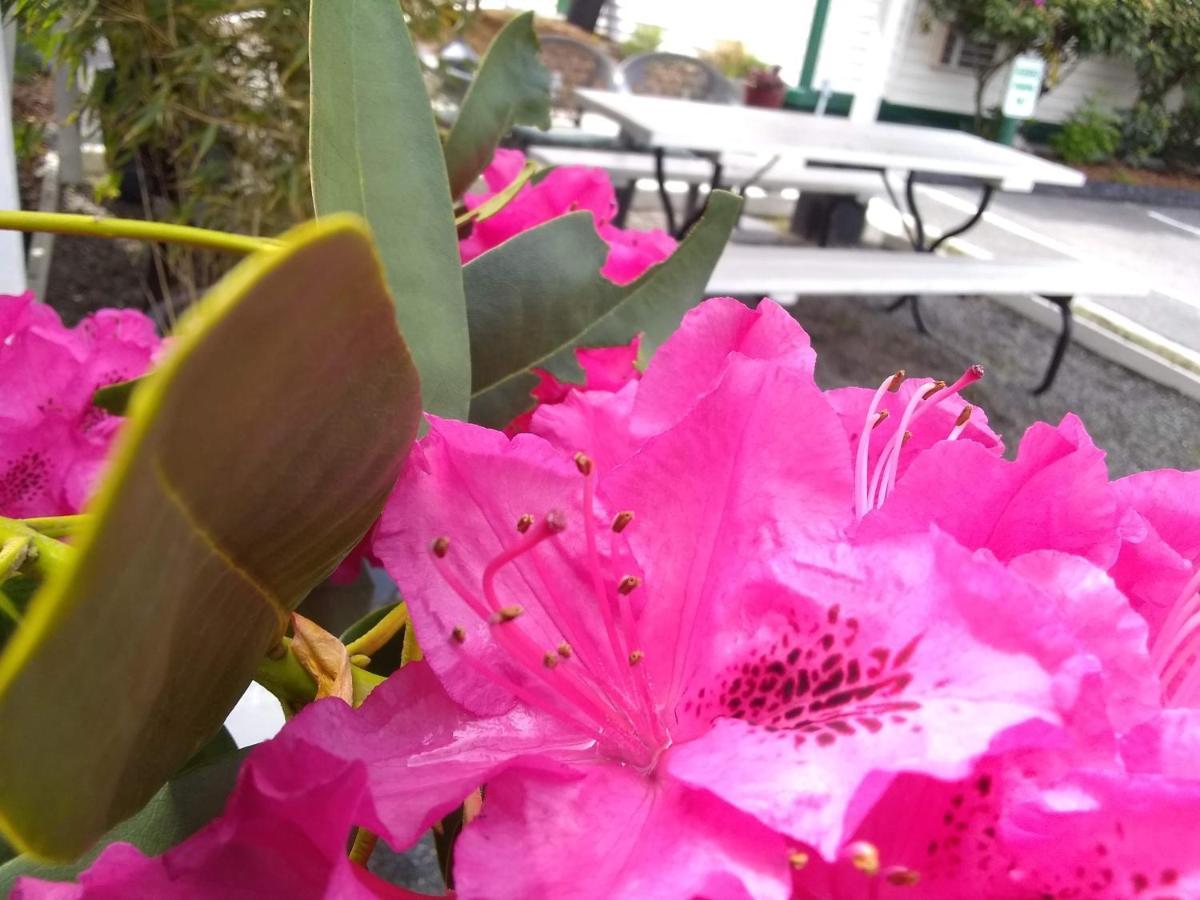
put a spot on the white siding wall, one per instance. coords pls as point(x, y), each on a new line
point(851, 39)
point(919, 79)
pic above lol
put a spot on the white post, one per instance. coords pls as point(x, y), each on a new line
point(12, 243)
point(879, 63)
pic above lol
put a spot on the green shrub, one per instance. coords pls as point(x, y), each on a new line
point(205, 109)
point(1090, 135)
point(1182, 147)
point(645, 39)
point(1144, 132)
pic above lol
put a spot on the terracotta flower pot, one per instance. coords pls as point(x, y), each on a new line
point(770, 96)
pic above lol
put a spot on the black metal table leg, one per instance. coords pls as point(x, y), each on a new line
point(660, 174)
point(1060, 345)
point(625, 195)
point(713, 185)
point(920, 238)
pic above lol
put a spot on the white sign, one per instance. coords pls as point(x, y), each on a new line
point(1024, 87)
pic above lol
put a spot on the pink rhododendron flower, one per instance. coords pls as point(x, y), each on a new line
point(283, 834)
point(565, 189)
point(53, 440)
point(606, 370)
point(758, 639)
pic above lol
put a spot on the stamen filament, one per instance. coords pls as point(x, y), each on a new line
point(862, 459)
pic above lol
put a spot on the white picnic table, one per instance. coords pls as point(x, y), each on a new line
point(718, 131)
point(718, 128)
point(731, 137)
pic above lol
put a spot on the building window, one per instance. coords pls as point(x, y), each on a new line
point(962, 53)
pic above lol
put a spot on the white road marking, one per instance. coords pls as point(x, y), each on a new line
point(1174, 223)
point(1018, 230)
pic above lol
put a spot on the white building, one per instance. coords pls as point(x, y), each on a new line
point(880, 57)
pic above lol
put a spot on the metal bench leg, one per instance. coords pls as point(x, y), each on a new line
point(914, 303)
point(625, 195)
point(660, 173)
point(1060, 346)
point(694, 217)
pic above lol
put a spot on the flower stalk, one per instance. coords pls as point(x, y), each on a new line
point(135, 229)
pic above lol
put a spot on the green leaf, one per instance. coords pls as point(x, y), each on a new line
point(255, 458)
point(511, 87)
point(375, 151)
point(176, 812)
point(218, 745)
point(536, 297)
point(114, 398)
point(17, 591)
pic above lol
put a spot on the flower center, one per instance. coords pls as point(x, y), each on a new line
point(590, 678)
point(872, 488)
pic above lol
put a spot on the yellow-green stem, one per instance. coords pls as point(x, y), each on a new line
point(56, 526)
point(12, 554)
point(47, 553)
point(383, 631)
point(294, 687)
point(135, 229)
point(364, 844)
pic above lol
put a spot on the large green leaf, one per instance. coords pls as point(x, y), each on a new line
point(176, 812)
point(536, 297)
point(375, 151)
point(252, 461)
point(511, 87)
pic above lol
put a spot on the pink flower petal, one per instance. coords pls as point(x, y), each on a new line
point(283, 834)
point(757, 470)
point(473, 485)
point(914, 665)
point(712, 336)
point(932, 428)
point(1055, 496)
point(1160, 535)
point(613, 833)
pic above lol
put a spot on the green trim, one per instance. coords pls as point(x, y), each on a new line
point(805, 100)
point(1034, 131)
point(815, 35)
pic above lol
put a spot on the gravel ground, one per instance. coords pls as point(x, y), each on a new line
point(1141, 424)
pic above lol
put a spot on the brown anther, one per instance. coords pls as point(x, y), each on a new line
point(620, 520)
point(583, 463)
point(934, 388)
point(507, 613)
point(564, 650)
point(881, 417)
point(798, 859)
point(628, 584)
point(441, 546)
point(965, 416)
point(907, 437)
point(550, 660)
point(636, 657)
point(864, 856)
point(897, 380)
point(901, 877)
point(458, 635)
point(556, 521)
point(525, 523)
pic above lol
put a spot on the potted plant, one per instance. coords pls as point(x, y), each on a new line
point(764, 87)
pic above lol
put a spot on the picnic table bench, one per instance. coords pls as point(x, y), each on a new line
point(747, 270)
